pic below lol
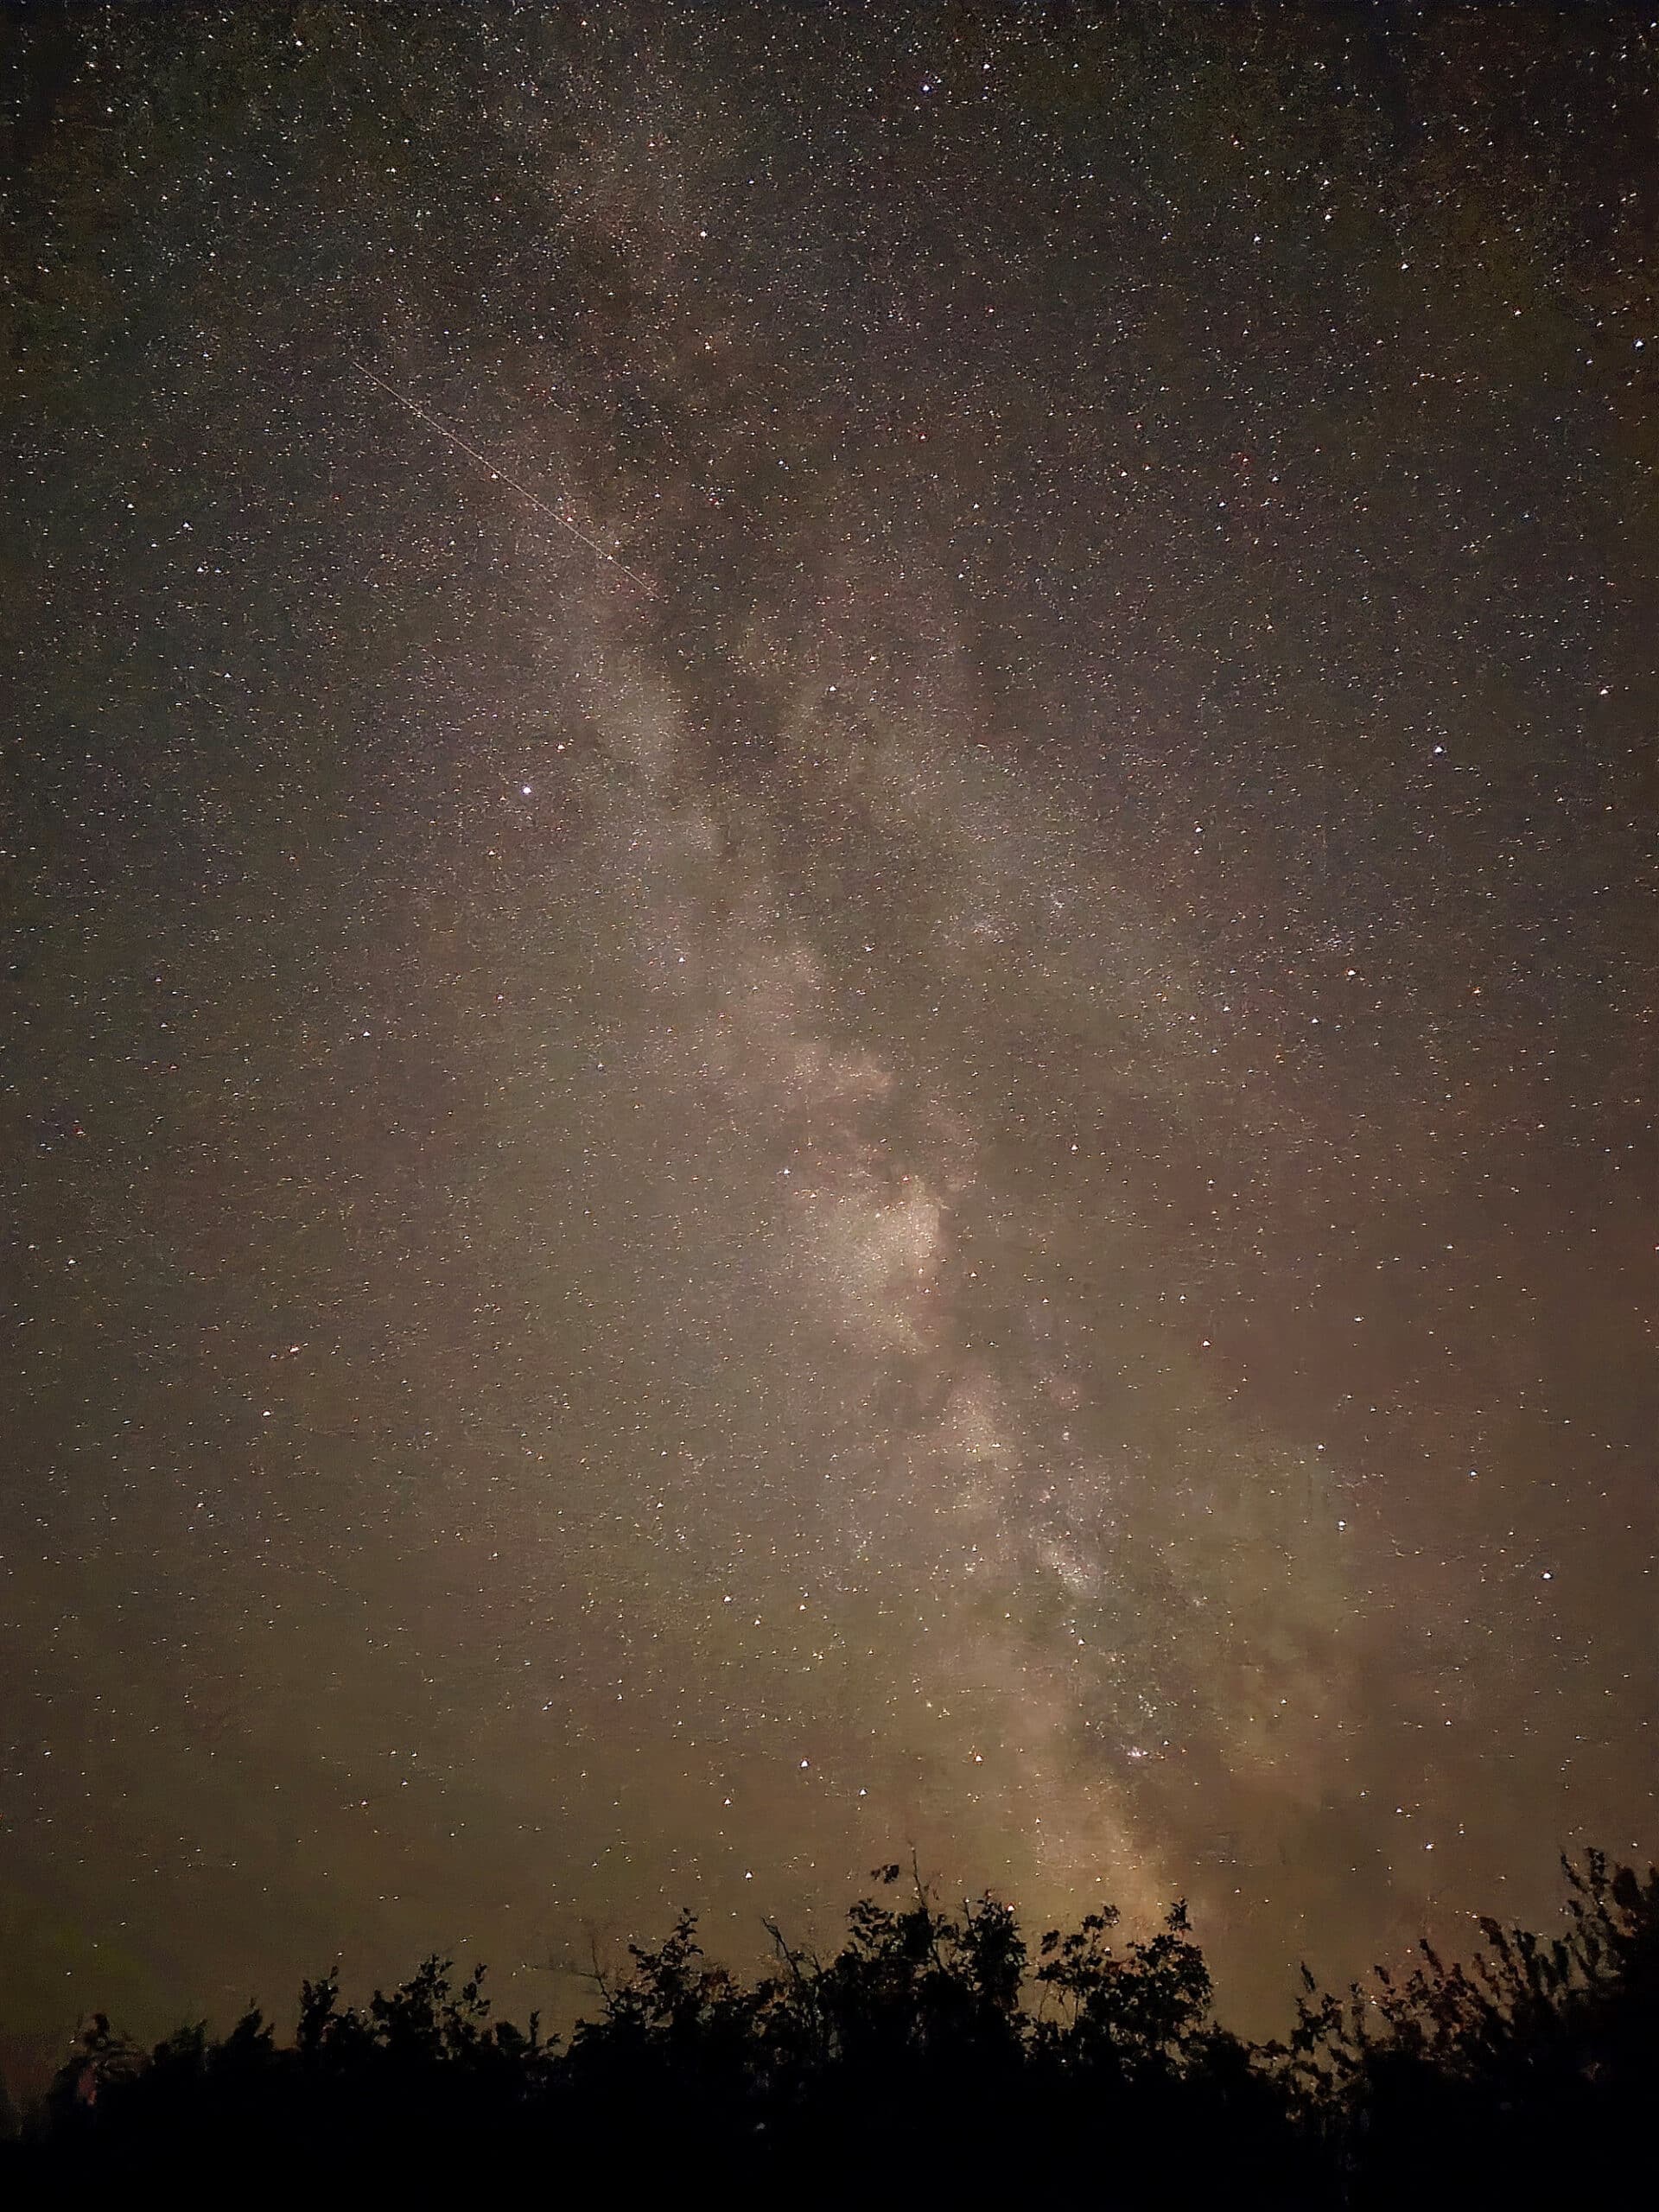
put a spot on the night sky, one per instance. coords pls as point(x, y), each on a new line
point(859, 1055)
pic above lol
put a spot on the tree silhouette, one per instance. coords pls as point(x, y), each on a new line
point(930, 2052)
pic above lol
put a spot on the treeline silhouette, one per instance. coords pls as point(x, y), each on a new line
point(934, 2053)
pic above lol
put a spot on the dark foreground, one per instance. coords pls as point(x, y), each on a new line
point(933, 2057)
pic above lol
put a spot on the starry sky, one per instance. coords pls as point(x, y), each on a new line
point(831, 912)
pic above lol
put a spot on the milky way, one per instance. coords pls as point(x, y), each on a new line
point(832, 872)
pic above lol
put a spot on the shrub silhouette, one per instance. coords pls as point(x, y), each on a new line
point(1532, 2070)
point(931, 2051)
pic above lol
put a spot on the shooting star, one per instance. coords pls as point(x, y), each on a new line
point(502, 476)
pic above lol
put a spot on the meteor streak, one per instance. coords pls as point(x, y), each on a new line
point(502, 475)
